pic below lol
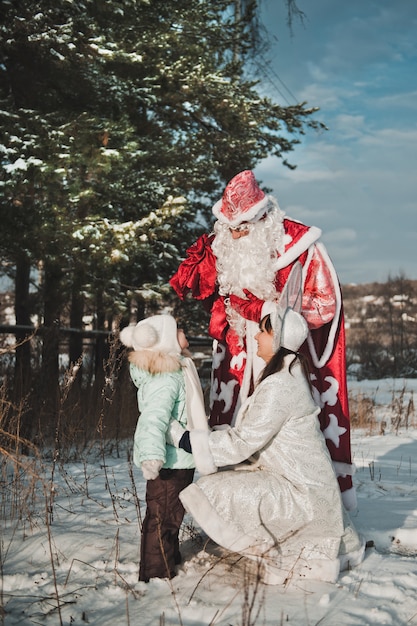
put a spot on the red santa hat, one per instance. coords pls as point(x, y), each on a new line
point(243, 201)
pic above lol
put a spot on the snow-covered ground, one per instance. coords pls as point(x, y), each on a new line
point(73, 557)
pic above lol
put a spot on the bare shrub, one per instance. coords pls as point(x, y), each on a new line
point(362, 412)
point(86, 410)
point(402, 407)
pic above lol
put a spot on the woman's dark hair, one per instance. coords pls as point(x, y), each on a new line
point(276, 363)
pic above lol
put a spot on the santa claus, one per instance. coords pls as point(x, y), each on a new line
point(238, 271)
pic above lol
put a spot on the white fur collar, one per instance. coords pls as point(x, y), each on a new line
point(155, 362)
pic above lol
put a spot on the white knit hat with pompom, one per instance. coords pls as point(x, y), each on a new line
point(157, 333)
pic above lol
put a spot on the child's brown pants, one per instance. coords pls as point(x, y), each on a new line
point(159, 552)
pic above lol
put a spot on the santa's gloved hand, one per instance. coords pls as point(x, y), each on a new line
point(250, 307)
point(185, 442)
point(150, 469)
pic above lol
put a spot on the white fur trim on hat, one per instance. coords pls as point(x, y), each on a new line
point(257, 211)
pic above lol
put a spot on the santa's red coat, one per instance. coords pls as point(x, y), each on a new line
point(234, 373)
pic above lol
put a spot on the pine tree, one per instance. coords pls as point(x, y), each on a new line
point(122, 120)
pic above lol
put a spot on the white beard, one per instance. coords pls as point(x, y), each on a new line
point(248, 262)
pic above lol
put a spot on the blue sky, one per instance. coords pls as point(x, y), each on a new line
point(357, 61)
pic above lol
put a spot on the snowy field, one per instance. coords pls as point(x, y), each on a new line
point(73, 557)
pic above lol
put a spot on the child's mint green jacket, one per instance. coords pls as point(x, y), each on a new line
point(160, 383)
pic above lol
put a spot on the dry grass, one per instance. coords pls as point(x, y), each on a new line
point(363, 413)
point(366, 414)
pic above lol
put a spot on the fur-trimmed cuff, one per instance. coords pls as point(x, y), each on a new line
point(203, 457)
point(344, 469)
point(268, 308)
point(349, 499)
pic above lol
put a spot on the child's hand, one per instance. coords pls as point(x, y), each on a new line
point(150, 469)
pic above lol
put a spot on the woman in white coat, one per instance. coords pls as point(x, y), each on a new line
point(283, 508)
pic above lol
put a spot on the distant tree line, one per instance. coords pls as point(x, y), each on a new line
point(381, 323)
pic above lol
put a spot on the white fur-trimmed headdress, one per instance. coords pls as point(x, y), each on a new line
point(289, 326)
point(157, 333)
point(290, 330)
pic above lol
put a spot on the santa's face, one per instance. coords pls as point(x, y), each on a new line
point(239, 231)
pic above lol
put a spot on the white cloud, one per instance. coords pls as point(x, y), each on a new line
point(392, 138)
point(403, 100)
point(342, 235)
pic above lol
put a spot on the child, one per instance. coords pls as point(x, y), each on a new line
point(168, 390)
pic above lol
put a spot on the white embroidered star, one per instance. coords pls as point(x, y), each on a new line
point(334, 431)
point(238, 360)
point(329, 396)
point(226, 394)
point(218, 356)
